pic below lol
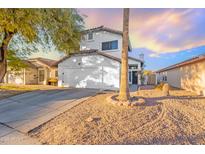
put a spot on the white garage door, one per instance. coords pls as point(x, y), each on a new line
point(94, 77)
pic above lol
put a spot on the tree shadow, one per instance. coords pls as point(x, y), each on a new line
point(153, 101)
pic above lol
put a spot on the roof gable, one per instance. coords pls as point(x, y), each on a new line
point(91, 52)
point(102, 28)
point(44, 61)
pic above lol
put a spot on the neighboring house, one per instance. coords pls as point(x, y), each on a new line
point(149, 78)
point(188, 75)
point(37, 71)
point(98, 63)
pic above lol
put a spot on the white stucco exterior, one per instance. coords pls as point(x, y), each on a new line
point(98, 38)
point(101, 71)
point(89, 71)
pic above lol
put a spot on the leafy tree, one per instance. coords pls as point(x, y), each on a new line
point(147, 72)
point(62, 26)
point(15, 62)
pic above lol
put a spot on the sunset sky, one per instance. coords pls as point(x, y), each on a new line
point(165, 36)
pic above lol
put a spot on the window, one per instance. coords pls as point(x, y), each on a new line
point(41, 75)
point(56, 73)
point(110, 45)
point(90, 36)
point(133, 67)
point(164, 78)
point(83, 37)
point(130, 77)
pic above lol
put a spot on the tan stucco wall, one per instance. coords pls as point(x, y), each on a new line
point(14, 77)
point(174, 77)
point(31, 76)
point(193, 77)
point(190, 77)
point(25, 76)
point(53, 72)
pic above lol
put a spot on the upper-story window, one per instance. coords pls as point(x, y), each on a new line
point(83, 38)
point(90, 36)
point(110, 45)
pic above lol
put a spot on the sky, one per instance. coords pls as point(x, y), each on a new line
point(165, 36)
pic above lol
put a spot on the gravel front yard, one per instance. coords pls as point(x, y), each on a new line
point(177, 119)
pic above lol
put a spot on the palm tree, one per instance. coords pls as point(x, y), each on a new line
point(124, 87)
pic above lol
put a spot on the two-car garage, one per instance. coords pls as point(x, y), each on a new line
point(93, 70)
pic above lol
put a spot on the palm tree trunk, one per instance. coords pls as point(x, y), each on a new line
point(3, 52)
point(124, 87)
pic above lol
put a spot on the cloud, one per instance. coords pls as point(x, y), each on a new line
point(160, 30)
point(169, 31)
point(107, 17)
point(154, 55)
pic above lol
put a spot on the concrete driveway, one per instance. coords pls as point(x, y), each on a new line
point(21, 113)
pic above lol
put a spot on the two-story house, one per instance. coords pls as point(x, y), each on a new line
point(98, 63)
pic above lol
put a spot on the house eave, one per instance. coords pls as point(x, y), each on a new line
point(95, 52)
point(183, 63)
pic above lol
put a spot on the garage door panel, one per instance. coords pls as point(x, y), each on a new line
point(95, 77)
point(83, 77)
point(110, 77)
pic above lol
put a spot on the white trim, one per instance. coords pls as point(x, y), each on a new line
point(138, 76)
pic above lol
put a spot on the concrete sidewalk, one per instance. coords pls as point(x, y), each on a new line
point(22, 113)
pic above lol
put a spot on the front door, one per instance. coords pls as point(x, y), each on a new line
point(134, 77)
point(41, 78)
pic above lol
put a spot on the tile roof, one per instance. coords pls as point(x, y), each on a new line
point(29, 64)
point(102, 28)
point(48, 62)
point(183, 63)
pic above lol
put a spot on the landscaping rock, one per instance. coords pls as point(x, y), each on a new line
point(133, 104)
point(133, 101)
point(127, 103)
point(90, 119)
point(120, 104)
point(166, 89)
point(141, 101)
point(165, 126)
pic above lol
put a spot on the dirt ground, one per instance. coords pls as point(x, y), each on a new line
point(177, 119)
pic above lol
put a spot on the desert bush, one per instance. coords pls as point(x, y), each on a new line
point(159, 86)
